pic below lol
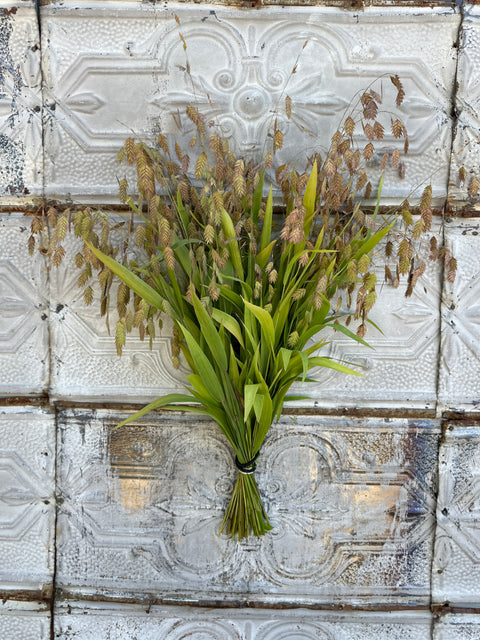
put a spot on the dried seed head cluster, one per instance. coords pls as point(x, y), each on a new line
point(179, 218)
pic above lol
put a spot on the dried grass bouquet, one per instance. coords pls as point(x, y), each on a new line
point(249, 288)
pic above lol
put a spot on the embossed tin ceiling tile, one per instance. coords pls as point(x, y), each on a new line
point(85, 364)
point(121, 622)
point(24, 620)
point(351, 501)
point(466, 149)
point(111, 68)
point(24, 355)
point(457, 627)
point(459, 384)
point(456, 567)
point(27, 511)
point(399, 371)
point(21, 157)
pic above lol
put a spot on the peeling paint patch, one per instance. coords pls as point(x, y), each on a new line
point(12, 153)
point(6, 29)
point(12, 162)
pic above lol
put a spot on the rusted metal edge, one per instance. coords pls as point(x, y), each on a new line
point(246, 602)
point(293, 411)
point(43, 205)
point(456, 418)
point(44, 595)
point(462, 208)
point(344, 4)
point(22, 401)
point(45, 402)
point(442, 609)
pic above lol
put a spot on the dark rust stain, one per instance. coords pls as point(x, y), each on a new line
point(10, 12)
point(27, 595)
point(349, 5)
point(453, 208)
point(20, 401)
point(307, 411)
point(462, 209)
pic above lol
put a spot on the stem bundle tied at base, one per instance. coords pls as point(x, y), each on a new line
point(245, 514)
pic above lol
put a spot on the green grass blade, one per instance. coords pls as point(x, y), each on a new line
point(210, 333)
point(317, 361)
point(372, 242)
point(348, 333)
point(203, 366)
point(249, 393)
point(265, 238)
point(132, 281)
point(230, 324)
point(170, 399)
point(309, 198)
point(266, 323)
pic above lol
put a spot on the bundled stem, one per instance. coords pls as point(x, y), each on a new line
point(245, 513)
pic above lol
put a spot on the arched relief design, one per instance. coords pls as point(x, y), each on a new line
point(240, 72)
point(292, 631)
point(156, 501)
point(203, 630)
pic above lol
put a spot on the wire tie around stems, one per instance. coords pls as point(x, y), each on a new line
point(247, 468)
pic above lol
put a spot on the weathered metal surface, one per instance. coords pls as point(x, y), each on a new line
point(91, 622)
point(459, 382)
point(466, 149)
point(457, 627)
point(352, 503)
point(24, 348)
point(24, 620)
point(113, 68)
point(27, 506)
point(456, 568)
point(21, 155)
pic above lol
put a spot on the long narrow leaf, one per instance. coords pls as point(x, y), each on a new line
point(266, 236)
point(317, 361)
point(372, 242)
point(266, 323)
point(230, 324)
point(170, 399)
point(203, 366)
point(210, 333)
point(132, 281)
point(309, 200)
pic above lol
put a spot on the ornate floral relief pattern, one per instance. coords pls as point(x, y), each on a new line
point(80, 334)
point(152, 497)
point(409, 348)
point(26, 498)
point(24, 360)
point(26, 620)
point(240, 73)
point(456, 570)
point(465, 147)
point(459, 370)
point(91, 621)
point(20, 104)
